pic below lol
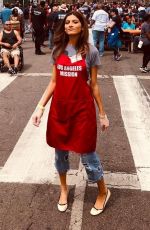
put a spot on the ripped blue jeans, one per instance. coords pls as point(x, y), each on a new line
point(90, 161)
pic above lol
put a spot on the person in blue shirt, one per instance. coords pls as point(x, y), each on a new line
point(148, 9)
point(128, 25)
point(6, 12)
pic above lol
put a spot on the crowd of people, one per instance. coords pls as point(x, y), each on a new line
point(73, 87)
point(113, 24)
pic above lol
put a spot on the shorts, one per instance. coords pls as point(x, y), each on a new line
point(11, 52)
point(90, 161)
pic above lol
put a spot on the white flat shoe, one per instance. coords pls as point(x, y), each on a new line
point(62, 207)
point(94, 211)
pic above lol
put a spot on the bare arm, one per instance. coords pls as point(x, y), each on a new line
point(19, 39)
point(148, 35)
point(96, 90)
point(36, 119)
point(7, 45)
point(97, 96)
point(50, 88)
point(92, 23)
point(1, 38)
point(110, 25)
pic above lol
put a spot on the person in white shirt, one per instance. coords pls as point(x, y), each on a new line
point(119, 8)
point(141, 11)
point(141, 7)
point(17, 6)
point(148, 9)
point(99, 22)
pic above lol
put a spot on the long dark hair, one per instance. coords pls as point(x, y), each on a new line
point(15, 12)
point(61, 38)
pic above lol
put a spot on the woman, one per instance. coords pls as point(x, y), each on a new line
point(72, 117)
point(17, 21)
point(114, 28)
point(145, 38)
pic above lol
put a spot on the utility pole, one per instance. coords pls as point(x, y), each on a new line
point(1, 4)
point(1, 7)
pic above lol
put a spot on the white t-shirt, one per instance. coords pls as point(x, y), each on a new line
point(101, 19)
point(120, 10)
point(148, 10)
point(141, 8)
point(92, 57)
point(19, 10)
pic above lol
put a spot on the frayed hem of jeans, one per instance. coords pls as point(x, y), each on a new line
point(95, 181)
point(61, 172)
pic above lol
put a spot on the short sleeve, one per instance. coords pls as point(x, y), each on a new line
point(51, 57)
point(94, 16)
point(93, 56)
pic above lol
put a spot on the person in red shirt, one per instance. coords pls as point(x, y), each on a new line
point(72, 122)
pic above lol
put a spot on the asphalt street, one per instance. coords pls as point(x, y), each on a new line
point(29, 186)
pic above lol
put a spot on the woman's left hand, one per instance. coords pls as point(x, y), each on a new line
point(104, 123)
point(14, 46)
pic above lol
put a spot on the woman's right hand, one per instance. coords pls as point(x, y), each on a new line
point(7, 45)
point(36, 119)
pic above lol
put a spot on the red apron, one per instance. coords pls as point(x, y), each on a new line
point(72, 117)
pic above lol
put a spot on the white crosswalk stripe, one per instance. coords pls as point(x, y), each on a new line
point(135, 110)
point(144, 77)
point(31, 161)
point(34, 162)
point(5, 80)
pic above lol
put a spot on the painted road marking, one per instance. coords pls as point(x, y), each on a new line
point(34, 74)
point(31, 161)
point(144, 77)
point(77, 206)
point(91, 37)
point(135, 110)
point(78, 178)
point(5, 80)
point(119, 180)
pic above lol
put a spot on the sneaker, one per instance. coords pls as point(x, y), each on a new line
point(147, 69)
point(11, 71)
point(144, 69)
point(15, 70)
point(39, 53)
point(118, 57)
point(114, 57)
point(24, 39)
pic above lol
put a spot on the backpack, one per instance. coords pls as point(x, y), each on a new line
point(26, 13)
point(142, 14)
point(113, 38)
